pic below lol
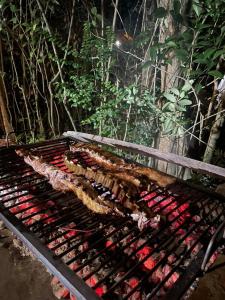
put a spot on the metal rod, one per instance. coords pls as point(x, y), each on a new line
point(210, 246)
point(67, 277)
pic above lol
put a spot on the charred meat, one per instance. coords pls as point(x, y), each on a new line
point(83, 189)
point(65, 182)
point(115, 164)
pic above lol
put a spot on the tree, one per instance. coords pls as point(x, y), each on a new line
point(6, 124)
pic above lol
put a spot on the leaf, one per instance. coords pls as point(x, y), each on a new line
point(201, 61)
point(160, 12)
point(187, 36)
point(198, 87)
point(168, 125)
point(185, 102)
point(94, 23)
point(176, 16)
point(134, 90)
point(98, 17)
point(181, 108)
point(12, 7)
point(197, 8)
point(168, 107)
point(94, 11)
point(218, 53)
point(181, 54)
point(216, 74)
point(182, 94)
point(209, 52)
point(153, 53)
point(187, 87)
point(175, 91)
point(171, 44)
point(170, 97)
point(2, 2)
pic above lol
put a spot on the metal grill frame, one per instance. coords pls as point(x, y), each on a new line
point(68, 278)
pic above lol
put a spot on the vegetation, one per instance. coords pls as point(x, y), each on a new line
point(144, 71)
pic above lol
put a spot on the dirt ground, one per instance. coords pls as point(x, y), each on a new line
point(22, 277)
point(212, 285)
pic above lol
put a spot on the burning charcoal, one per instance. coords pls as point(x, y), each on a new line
point(131, 284)
point(171, 259)
point(118, 276)
point(149, 263)
point(109, 243)
point(119, 248)
point(157, 275)
point(100, 290)
point(59, 290)
point(172, 279)
point(72, 297)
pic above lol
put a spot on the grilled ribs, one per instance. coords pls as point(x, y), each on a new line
point(122, 185)
point(128, 172)
point(83, 189)
point(65, 182)
point(124, 190)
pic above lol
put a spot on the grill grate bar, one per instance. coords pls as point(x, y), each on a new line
point(58, 212)
point(169, 253)
point(87, 261)
point(23, 181)
point(187, 254)
point(65, 213)
point(41, 182)
point(121, 225)
point(117, 266)
point(52, 195)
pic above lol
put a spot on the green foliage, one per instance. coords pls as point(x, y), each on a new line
point(103, 85)
point(176, 103)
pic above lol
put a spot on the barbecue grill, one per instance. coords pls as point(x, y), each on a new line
point(96, 256)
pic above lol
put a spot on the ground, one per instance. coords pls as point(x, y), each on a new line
point(21, 277)
point(212, 285)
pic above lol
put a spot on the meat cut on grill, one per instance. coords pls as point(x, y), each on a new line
point(114, 164)
point(65, 182)
point(84, 190)
point(121, 184)
point(126, 188)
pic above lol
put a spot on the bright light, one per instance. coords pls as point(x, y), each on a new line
point(118, 43)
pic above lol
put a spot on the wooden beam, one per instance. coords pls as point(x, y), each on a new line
point(193, 164)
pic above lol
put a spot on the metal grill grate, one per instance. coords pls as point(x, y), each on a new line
point(110, 254)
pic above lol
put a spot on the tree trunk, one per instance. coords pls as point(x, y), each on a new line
point(169, 79)
point(4, 114)
point(7, 126)
point(215, 131)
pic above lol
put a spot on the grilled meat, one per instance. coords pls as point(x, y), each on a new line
point(122, 186)
point(83, 189)
point(65, 182)
point(116, 164)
